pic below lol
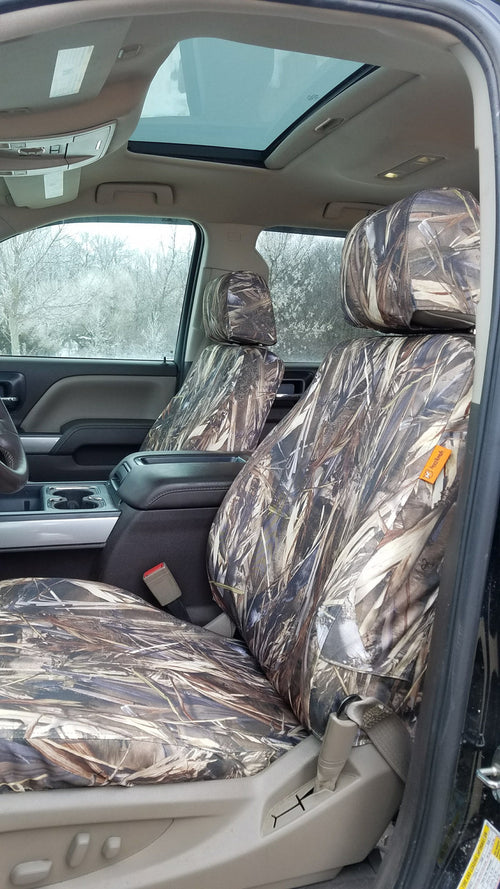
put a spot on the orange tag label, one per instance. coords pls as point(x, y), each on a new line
point(435, 464)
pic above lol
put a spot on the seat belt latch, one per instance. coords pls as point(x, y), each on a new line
point(386, 731)
point(162, 584)
point(336, 746)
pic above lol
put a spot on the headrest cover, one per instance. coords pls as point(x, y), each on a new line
point(237, 308)
point(420, 255)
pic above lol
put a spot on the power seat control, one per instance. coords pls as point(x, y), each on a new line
point(28, 873)
point(111, 848)
point(78, 849)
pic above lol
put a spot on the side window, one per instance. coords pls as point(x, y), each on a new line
point(304, 278)
point(92, 289)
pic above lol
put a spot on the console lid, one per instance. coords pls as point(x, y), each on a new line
point(175, 479)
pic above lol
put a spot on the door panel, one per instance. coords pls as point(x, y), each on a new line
point(80, 417)
point(83, 423)
point(98, 397)
point(92, 311)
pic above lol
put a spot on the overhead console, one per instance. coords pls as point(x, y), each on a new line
point(31, 157)
point(55, 161)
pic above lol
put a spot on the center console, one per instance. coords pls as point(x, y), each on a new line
point(168, 501)
point(54, 515)
point(155, 506)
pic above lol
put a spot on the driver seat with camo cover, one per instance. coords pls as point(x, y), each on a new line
point(224, 401)
point(326, 555)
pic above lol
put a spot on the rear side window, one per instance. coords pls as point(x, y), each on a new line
point(304, 278)
point(93, 289)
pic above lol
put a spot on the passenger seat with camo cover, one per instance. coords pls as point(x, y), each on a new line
point(326, 554)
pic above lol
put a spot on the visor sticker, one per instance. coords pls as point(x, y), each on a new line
point(483, 869)
point(435, 463)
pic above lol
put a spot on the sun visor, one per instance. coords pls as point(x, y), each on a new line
point(41, 191)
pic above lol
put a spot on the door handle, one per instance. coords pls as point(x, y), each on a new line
point(12, 389)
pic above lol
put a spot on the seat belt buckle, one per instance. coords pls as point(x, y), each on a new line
point(161, 582)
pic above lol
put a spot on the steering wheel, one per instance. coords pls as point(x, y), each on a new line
point(13, 463)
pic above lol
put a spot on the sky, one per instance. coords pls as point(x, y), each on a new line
point(143, 236)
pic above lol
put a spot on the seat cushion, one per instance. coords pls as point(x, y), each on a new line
point(223, 403)
point(98, 687)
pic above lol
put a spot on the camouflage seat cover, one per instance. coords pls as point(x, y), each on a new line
point(224, 402)
point(326, 553)
point(333, 579)
point(121, 693)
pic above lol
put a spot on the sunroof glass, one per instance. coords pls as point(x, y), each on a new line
point(212, 92)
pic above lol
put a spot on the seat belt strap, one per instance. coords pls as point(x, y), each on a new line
point(179, 610)
point(386, 731)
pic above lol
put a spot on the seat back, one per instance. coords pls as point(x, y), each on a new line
point(226, 397)
point(326, 552)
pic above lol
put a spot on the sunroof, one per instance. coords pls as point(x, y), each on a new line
point(217, 98)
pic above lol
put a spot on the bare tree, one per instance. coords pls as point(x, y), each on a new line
point(72, 292)
point(303, 270)
point(161, 282)
point(33, 290)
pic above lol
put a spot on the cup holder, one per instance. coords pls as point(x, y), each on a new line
point(73, 498)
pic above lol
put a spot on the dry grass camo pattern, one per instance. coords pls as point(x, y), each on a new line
point(223, 403)
point(98, 687)
point(326, 553)
point(327, 549)
point(237, 308)
point(419, 254)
